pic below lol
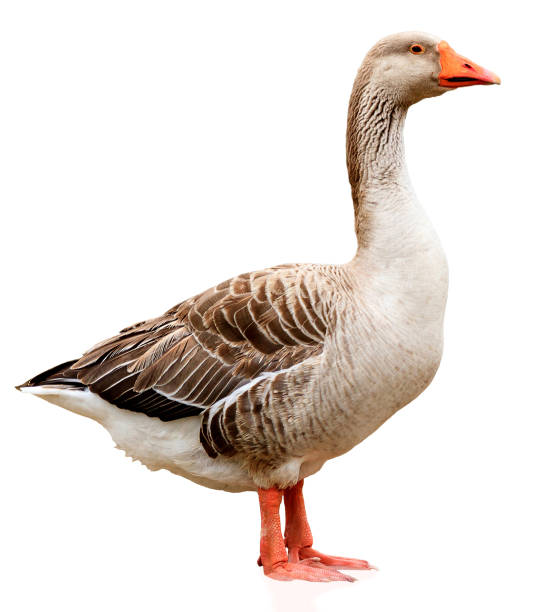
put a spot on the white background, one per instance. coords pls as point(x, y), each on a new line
point(152, 149)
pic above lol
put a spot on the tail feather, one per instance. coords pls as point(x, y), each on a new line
point(61, 377)
point(61, 385)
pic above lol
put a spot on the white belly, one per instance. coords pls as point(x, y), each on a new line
point(172, 445)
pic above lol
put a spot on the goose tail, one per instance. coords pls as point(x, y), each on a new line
point(60, 386)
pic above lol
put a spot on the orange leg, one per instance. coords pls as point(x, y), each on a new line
point(273, 551)
point(298, 537)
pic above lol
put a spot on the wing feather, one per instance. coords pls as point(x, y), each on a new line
point(204, 349)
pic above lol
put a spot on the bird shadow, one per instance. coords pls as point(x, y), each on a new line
point(306, 595)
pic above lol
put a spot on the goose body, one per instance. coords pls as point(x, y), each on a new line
point(256, 383)
point(339, 416)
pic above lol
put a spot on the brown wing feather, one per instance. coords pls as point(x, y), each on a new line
point(203, 349)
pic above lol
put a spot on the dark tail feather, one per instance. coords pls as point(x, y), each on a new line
point(60, 376)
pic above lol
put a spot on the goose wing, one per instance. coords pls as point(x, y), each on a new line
point(202, 350)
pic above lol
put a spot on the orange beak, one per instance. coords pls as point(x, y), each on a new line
point(458, 71)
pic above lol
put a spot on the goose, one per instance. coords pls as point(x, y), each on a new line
point(254, 384)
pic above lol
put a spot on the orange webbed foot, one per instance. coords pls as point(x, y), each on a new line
point(308, 553)
point(306, 569)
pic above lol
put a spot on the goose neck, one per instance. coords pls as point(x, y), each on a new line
point(375, 154)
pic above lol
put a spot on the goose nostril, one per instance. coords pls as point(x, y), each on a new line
point(468, 66)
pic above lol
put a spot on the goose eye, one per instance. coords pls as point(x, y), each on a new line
point(417, 49)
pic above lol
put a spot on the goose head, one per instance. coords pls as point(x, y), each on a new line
point(411, 66)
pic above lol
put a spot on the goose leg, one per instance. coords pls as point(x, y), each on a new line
point(298, 537)
point(273, 551)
